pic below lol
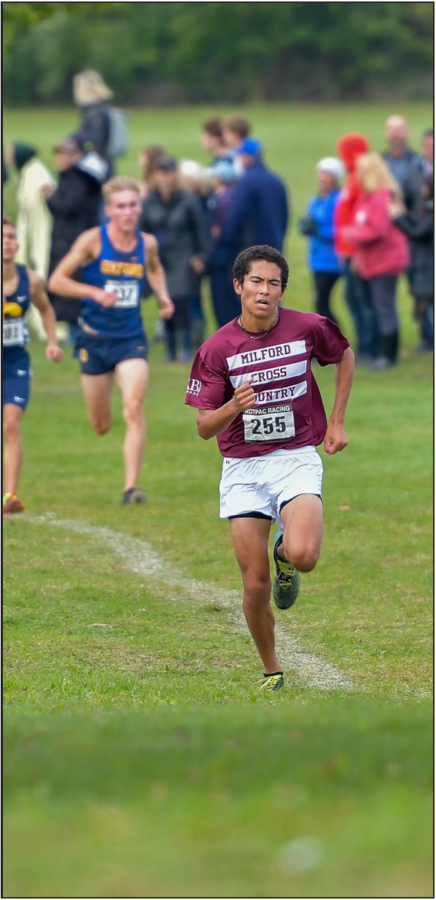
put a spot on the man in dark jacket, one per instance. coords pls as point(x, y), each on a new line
point(177, 221)
point(420, 231)
point(399, 157)
point(259, 211)
point(75, 205)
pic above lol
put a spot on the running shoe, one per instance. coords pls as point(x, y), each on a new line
point(12, 504)
point(287, 580)
point(272, 682)
point(134, 495)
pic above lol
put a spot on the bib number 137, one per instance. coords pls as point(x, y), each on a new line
point(269, 424)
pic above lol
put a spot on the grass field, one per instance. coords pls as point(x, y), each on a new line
point(139, 758)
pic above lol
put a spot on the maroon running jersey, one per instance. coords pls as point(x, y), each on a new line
point(288, 410)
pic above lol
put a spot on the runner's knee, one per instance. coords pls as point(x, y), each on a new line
point(101, 426)
point(133, 411)
point(11, 428)
point(304, 558)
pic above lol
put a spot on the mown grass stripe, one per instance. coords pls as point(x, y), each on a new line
point(139, 557)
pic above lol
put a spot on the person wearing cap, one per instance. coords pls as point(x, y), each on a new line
point(259, 211)
point(34, 222)
point(75, 205)
point(194, 177)
point(225, 302)
point(317, 225)
point(175, 217)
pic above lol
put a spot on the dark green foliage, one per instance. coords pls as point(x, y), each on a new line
point(192, 52)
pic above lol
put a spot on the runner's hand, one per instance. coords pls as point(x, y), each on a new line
point(104, 298)
point(53, 352)
point(166, 308)
point(244, 396)
point(335, 439)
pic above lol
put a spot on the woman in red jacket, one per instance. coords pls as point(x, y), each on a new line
point(382, 250)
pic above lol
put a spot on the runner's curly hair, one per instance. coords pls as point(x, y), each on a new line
point(243, 262)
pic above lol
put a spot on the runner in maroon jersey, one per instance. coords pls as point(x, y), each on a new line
point(253, 386)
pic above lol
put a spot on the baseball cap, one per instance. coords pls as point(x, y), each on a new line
point(224, 170)
point(251, 147)
point(166, 164)
point(333, 165)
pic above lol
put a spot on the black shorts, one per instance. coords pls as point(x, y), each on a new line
point(99, 355)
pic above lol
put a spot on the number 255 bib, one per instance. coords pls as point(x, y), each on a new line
point(270, 423)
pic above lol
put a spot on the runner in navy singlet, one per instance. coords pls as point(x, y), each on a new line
point(114, 260)
point(21, 287)
point(253, 386)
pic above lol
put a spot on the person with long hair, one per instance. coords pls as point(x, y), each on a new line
point(382, 250)
point(147, 164)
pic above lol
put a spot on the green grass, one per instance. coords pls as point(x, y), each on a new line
point(139, 758)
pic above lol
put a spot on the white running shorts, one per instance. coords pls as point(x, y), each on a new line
point(262, 484)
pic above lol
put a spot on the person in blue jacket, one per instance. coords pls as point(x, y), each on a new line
point(318, 226)
point(258, 212)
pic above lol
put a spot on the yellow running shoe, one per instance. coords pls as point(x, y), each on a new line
point(287, 581)
point(272, 682)
point(12, 504)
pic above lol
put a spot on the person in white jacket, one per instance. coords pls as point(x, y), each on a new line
point(34, 222)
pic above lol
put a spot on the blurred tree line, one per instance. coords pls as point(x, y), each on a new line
point(157, 53)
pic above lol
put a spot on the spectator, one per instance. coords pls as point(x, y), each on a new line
point(412, 187)
point(382, 252)
point(75, 206)
point(225, 302)
point(399, 157)
point(212, 140)
point(235, 130)
point(258, 212)
point(319, 228)
point(193, 177)
point(421, 235)
point(102, 127)
point(357, 293)
point(428, 152)
point(5, 173)
point(34, 221)
point(147, 161)
point(176, 219)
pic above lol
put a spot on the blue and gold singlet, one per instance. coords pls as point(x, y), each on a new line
point(123, 273)
point(16, 362)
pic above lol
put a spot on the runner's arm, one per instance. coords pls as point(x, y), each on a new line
point(156, 276)
point(211, 422)
point(39, 299)
point(335, 438)
point(84, 250)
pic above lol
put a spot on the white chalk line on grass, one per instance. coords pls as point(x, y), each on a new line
point(140, 558)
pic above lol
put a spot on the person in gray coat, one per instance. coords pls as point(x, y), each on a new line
point(176, 219)
point(420, 232)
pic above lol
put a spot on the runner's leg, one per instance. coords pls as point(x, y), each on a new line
point(13, 448)
point(132, 379)
point(97, 394)
point(302, 518)
point(250, 543)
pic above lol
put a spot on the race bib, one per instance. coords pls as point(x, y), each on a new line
point(13, 333)
point(271, 423)
point(127, 292)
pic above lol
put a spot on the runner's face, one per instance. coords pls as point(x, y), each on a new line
point(260, 292)
point(10, 243)
point(124, 209)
